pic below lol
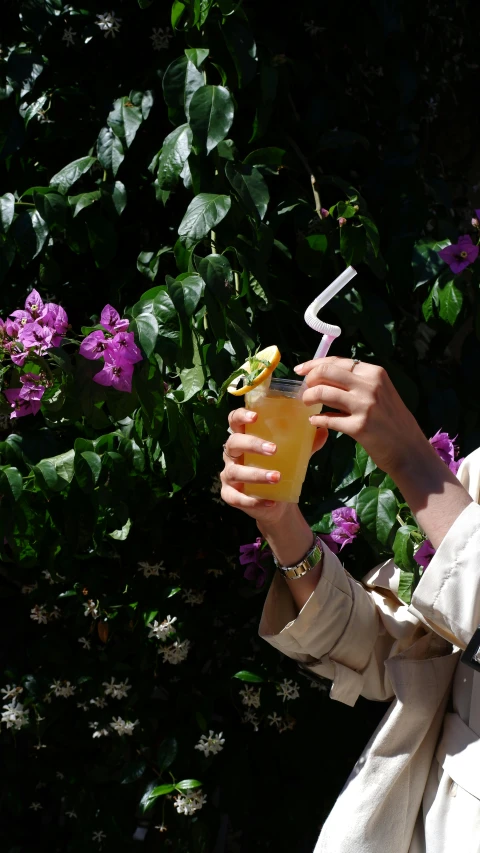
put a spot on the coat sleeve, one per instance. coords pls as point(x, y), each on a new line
point(344, 632)
point(447, 598)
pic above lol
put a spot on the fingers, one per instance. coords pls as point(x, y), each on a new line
point(321, 436)
point(338, 421)
point(329, 395)
point(239, 443)
point(233, 473)
point(368, 372)
point(237, 419)
point(239, 500)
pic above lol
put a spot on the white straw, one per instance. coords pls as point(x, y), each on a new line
point(328, 332)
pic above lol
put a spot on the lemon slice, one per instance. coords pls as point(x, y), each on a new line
point(256, 370)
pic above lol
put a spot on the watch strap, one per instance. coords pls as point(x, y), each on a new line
point(309, 561)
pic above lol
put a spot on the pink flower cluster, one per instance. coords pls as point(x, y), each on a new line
point(36, 328)
point(117, 348)
point(31, 331)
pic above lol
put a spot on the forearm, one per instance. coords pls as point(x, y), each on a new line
point(432, 492)
point(290, 539)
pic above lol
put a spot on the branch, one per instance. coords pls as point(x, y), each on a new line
point(303, 159)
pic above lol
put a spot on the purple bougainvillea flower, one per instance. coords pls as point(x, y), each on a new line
point(424, 554)
point(251, 556)
point(12, 328)
point(110, 318)
point(94, 346)
point(115, 374)
point(55, 317)
point(123, 348)
point(328, 539)
point(34, 305)
point(20, 406)
point(36, 337)
point(447, 450)
point(346, 524)
point(455, 465)
point(21, 317)
point(32, 389)
point(16, 352)
point(460, 255)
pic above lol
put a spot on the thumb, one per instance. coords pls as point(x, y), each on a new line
point(320, 439)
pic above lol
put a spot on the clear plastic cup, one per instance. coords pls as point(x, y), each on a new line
point(284, 419)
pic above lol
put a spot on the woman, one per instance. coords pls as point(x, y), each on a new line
point(416, 786)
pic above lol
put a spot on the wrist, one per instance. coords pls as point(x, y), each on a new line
point(289, 537)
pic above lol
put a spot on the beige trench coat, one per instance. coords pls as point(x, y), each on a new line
point(416, 786)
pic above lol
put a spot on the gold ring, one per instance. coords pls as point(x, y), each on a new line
point(355, 361)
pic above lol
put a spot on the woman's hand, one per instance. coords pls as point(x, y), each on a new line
point(369, 409)
point(235, 474)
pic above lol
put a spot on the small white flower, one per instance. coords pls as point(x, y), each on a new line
point(99, 702)
point(91, 609)
point(68, 36)
point(59, 775)
point(189, 518)
point(82, 705)
point(216, 486)
point(10, 691)
point(14, 716)
point(46, 574)
point(63, 688)
point(190, 802)
point(251, 696)
point(161, 827)
point(275, 720)
point(85, 643)
point(313, 28)
point(286, 726)
point(71, 814)
point(109, 23)
point(149, 570)
point(288, 689)
point(160, 38)
point(162, 630)
point(216, 572)
point(39, 614)
point(123, 727)
point(35, 806)
point(55, 613)
point(99, 835)
point(174, 576)
point(28, 588)
point(101, 733)
point(117, 691)
point(176, 653)
point(211, 744)
point(192, 597)
point(251, 717)
point(40, 746)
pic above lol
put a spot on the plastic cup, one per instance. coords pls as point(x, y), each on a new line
point(284, 419)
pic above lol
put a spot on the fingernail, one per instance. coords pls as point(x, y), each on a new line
point(250, 416)
point(269, 447)
point(272, 476)
point(311, 419)
point(298, 368)
point(269, 503)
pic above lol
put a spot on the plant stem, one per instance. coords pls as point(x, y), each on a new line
point(213, 242)
point(316, 194)
point(237, 281)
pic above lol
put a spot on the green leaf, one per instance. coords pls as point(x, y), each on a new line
point(403, 547)
point(353, 244)
point(180, 81)
point(450, 302)
point(79, 202)
point(272, 157)
point(242, 48)
point(110, 150)
point(152, 793)
point(52, 208)
point(193, 378)
point(11, 483)
point(7, 209)
point(87, 467)
point(371, 231)
point(197, 55)
point(167, 753)
point(405, 586)
point(377, 510)
point(134, 770)
point(175, 151)
point(218, 276)
point(250, 187)
point(124, 119)
point(67, 176)
point(426, 261)
point(147, 331)
point(211, 116)
point(30, 232)
point(203, 213)
point(34, 108)
point(115, 196)
point(311, 251)
point(122, 533)
point(188, 784)
point(244, 675)
point(22, 69)
point(186, 293)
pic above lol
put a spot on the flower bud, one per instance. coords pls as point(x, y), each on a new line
point(324, 213)
point(341, 221)
point(475, 222)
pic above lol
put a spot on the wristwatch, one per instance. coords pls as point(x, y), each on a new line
point(310, 560)
point(471, 655)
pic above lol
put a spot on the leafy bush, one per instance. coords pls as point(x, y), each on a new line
point(206, 176)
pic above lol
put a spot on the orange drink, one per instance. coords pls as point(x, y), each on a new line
point(283, 419)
